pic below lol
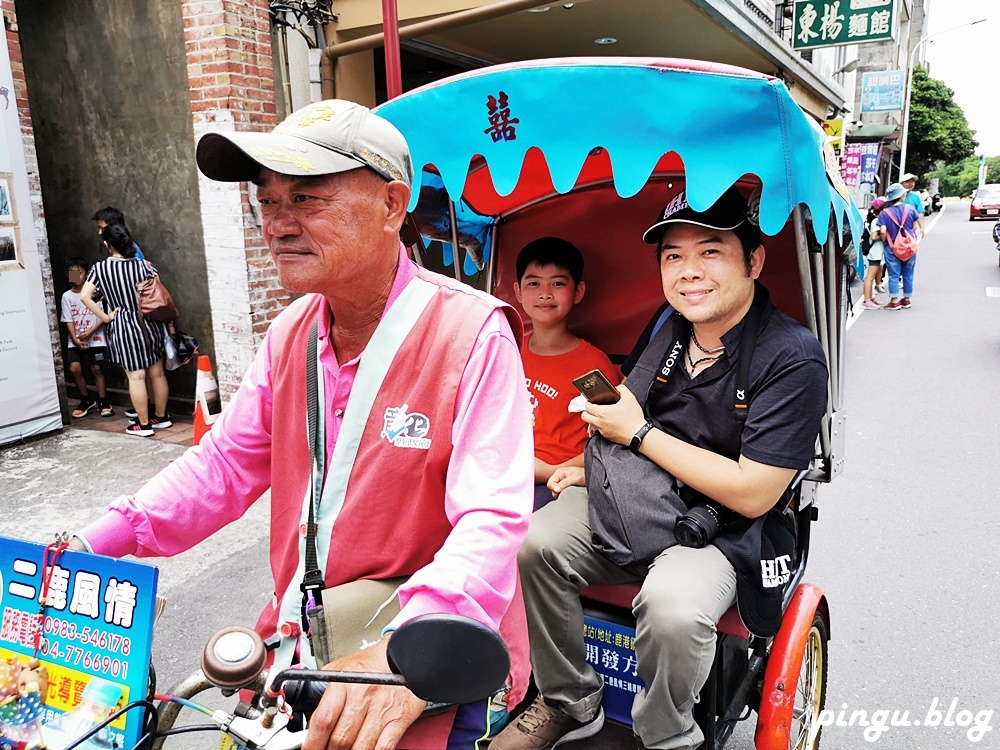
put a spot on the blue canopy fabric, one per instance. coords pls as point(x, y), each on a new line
point(434, 223)
point(722, 122)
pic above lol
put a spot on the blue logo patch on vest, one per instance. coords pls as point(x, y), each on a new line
point(406, 430)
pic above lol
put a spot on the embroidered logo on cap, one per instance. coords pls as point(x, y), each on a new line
point(775, 573)
point(283, 155)
point(753, 206)
point(320, 113)
point(405, 430)
point(678, 203)
point(380, 162)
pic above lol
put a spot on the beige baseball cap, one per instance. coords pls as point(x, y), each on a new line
point(324, 138)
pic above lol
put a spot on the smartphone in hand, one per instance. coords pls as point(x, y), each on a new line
point(597, 388)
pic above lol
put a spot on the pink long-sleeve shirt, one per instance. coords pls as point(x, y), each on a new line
point(214, 483)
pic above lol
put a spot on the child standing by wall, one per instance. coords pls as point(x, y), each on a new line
point(550, 284)
point(85, 344)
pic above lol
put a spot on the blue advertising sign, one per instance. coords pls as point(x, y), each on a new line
point(883, 91)
point(87, 652)
point(871, 155)
point(611, 652)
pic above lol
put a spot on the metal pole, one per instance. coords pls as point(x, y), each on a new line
point(809, 310)
point(393, 65)
point(490, 265)
point(451, 21)
point(819, 294)
point(805, 275)
point(842, 318)
point(833, 320)
point(456, 250)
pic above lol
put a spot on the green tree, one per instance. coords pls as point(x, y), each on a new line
point(938, 130)
point(962, 177)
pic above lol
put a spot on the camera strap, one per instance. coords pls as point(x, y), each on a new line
point(312, 582)
point(748, 342)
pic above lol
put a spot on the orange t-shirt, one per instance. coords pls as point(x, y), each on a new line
point(559, 433)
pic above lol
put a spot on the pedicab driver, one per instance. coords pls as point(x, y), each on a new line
point(428, 442)
point(673, 442)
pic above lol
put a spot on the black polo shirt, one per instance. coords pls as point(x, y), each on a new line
point(787, 384)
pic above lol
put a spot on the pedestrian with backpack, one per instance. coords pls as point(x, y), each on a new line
point(873, 248)
point(897, 221)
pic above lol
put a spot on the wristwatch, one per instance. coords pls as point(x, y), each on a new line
point(636, 440)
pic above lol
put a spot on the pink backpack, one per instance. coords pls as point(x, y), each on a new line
point(904, 246)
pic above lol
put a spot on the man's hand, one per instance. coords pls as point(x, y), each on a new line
point(362, 717)
point(566, 476)
point(616, 422)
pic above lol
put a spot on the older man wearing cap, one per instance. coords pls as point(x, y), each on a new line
point(422, 467)
point(913, 199)
point(674, 441)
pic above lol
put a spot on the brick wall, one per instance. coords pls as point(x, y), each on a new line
point(35, 190)
point(230, 70)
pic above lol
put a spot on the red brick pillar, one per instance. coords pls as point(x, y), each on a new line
point(231, 74)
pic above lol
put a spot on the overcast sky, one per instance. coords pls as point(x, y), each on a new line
point(968, 61)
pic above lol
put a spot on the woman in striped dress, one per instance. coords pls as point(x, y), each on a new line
point(135, 343)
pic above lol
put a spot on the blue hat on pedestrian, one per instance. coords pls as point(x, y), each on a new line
point(895, 192)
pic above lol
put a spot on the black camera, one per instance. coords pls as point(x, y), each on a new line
point(700, 524)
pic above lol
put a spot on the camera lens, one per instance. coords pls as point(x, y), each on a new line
point(697, 527)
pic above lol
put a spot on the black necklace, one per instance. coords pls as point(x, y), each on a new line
point(716, 350)
point(693, 363)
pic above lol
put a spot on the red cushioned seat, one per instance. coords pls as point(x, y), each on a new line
point(622, 594)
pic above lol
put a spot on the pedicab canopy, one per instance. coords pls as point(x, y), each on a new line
point(487, 132)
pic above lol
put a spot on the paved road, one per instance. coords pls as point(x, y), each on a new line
point(905, 547)
point(906, 544)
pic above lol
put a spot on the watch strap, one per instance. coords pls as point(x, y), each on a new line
point(637, 439)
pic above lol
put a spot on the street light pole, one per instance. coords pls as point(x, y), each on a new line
point(909, 90)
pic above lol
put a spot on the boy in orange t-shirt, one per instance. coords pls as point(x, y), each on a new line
point(549, 285)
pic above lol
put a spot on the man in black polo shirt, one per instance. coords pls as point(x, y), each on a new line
point(696, 438)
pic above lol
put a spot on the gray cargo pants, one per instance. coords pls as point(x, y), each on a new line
point(683, 595)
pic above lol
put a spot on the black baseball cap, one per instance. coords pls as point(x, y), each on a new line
point(728, 213)
point(763, 556)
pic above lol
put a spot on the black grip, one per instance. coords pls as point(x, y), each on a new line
point(304, 697)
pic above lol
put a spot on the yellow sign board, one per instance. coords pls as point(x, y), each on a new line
point(834, 130)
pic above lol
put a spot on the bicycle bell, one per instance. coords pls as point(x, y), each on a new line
point(233, 657)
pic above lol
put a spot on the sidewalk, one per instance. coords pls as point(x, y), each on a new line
point(182, 432)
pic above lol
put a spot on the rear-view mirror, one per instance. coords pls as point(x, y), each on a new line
point(449, 658)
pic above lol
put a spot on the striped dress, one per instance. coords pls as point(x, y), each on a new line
point(134, 343)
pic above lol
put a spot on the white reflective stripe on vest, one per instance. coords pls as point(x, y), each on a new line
point(378, 355)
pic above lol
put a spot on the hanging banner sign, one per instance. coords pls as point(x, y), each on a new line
point(871, 155)
point(883, 91)
point(829, 23)
point(93, 653)
point(850, 165)
point(29, 394)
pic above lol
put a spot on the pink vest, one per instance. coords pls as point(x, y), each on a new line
point(398, 537)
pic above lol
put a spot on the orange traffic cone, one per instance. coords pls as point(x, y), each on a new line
point(207, 405)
